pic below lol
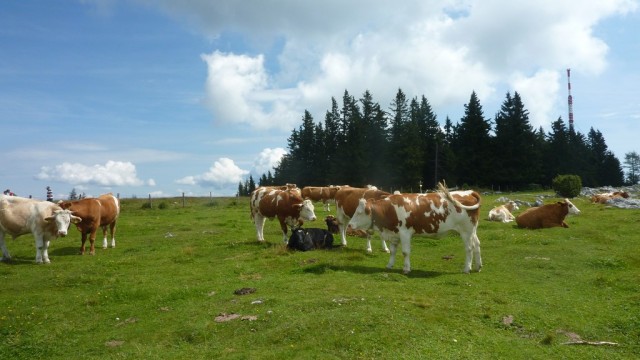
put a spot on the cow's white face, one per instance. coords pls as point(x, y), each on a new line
point(62, 219)
point(572, 208)
point(307, 210)
point(360, 218)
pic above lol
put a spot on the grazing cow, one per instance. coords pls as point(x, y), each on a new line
point(399, 217)
point(45, 220)
point(317, 193)
point(503, 212)
point(604, 198)
point(285, 204)
point(100, 212)
point(546, 216)
point(347, 199)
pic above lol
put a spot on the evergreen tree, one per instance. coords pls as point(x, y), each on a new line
point(517, 154)
point(556, 151)
point(632, 164)
point(334, 140)
point(374, 145)
point(472, 145)
point(399, 146)
point(606, 167)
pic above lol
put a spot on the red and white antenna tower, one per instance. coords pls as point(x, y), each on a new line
point(570, 100)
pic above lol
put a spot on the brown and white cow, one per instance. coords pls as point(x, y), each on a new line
point(100, 212)
point(325, 194)
point(287, 205)
point(604, 198)
point(546, 216)
point(347, 200)
point(399, 217)
point(44, 219)
point(503, 212)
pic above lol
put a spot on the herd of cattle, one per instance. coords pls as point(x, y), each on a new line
point(359, 211)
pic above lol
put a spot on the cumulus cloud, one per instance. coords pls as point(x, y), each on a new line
point(224, 172)
point(113, 173)
point(441, 49)
point(267, 160)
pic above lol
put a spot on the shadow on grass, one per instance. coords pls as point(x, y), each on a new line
point(65, 251)
point(359, 269)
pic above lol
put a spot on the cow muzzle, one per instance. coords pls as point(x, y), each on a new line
point(62, 233)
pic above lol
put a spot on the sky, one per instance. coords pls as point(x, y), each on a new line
point(169, 97)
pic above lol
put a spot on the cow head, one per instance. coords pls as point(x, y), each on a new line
point(332, 224)
point(306, 210)
point(62, 219)
point(572, 208)
point(361, 218)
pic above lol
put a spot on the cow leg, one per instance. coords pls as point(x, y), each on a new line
point(392, 254)
point(5, 252)
point(405, 242)
point(104, 237)
point(259, 222)
point(45, 251)
point(369, 250)
point(472, 249)
point(283, 226)
point(384, 245)
point(112, 228)
point(477, 266)
point(84, 239)
point(343, 233)
point(92, 240)
point(326, 206)
point(39, 247)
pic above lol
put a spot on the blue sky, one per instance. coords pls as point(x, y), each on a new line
point(162, 97)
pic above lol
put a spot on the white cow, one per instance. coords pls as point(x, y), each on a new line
point(503, 212)
point(44, 219)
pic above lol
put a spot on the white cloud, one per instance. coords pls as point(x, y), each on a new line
point(540, 92)
point(224, 172)
point(443, 50)
point(113, 173)
point(267, 160)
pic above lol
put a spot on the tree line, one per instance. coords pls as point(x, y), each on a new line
point(405, 148)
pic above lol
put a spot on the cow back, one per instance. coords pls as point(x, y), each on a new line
point(109, 209)
point(272, 202)
point(347, 198)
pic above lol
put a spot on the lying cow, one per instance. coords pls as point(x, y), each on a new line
point(283, 203)
point(44, 219)
point(503, 212)
point(546, 216)
point(100, 212)
point(399, 217)
point(314, 238)
point(604, 198)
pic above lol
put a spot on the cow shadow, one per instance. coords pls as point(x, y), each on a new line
point(19, 260)
point(65, 251)
point(319, 269)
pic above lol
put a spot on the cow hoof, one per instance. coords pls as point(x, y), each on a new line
point(406, 272)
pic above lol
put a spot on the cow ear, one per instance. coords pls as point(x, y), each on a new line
point(75, 219)
point(48, 219)
point(297, 206)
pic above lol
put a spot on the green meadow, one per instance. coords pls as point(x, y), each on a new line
point(192, 282)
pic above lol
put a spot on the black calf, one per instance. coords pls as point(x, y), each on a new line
point(309, 239)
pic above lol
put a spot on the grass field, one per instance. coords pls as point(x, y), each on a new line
point(167, 292)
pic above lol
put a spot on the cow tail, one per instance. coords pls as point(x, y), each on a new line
point(442, 187)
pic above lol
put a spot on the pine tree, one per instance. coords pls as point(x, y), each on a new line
point(516, 153)
point(472, 145)
point(632, 163)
